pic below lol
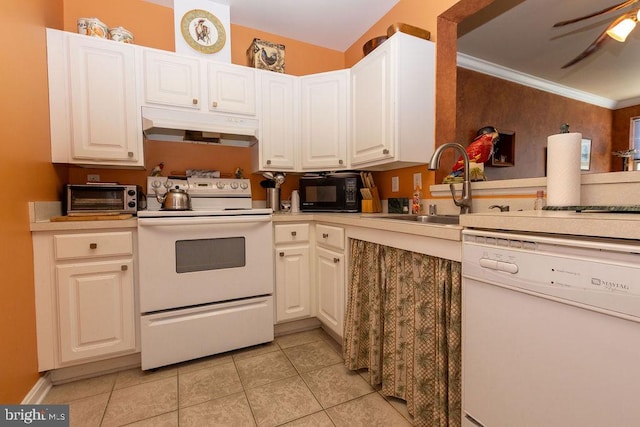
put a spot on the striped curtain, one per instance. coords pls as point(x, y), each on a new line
point(403, 323)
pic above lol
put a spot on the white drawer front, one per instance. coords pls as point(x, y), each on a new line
point(291, 233)
point(215, 327)
point(330, 236)
point(70, 246)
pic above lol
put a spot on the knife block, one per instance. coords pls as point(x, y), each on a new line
point(372, 204)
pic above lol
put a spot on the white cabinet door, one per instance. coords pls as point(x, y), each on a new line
point(371, 114)
point(232, 88)
point(170, 79)
point(293, 299)
point(104, 114)
point(330, 273)
point(278, 122)
point(95, 309)
point(324, 120)
point(393, 105)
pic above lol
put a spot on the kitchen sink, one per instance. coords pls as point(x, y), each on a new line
point(427, 219)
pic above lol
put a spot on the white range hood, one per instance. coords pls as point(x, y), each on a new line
point(161, 124)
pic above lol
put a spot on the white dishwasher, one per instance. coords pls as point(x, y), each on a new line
point(551, 330)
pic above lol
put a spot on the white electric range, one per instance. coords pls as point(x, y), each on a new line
point(206, 274)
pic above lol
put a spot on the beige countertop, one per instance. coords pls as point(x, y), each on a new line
point(376, 222)
point(611, 225)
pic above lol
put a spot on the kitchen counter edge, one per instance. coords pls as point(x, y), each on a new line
point(376, 221)
point(589, 224)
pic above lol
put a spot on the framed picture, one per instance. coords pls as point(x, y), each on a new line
point(585, 154)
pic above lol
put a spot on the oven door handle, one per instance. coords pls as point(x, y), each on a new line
point(161, 222)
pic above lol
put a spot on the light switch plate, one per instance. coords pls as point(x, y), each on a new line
point(395, 184)
point(93, 178)
point(417, 180)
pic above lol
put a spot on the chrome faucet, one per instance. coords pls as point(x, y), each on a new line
point(465, 201)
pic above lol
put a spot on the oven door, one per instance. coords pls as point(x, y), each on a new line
point(188, 261)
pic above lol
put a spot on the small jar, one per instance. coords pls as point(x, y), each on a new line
point(121, 34)
point(82, 26)
point(97, 28)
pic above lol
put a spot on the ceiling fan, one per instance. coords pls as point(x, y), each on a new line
point(618, 30)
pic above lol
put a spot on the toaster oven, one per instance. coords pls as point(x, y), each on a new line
point(102, 198)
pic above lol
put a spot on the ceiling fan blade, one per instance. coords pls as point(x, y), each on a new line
point(597, 43)
point(601, 12)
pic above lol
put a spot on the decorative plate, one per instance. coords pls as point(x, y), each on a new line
point(203, 31)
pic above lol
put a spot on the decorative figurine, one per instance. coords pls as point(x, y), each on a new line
point(239, 173)
point(480, 149)
point(157, 169)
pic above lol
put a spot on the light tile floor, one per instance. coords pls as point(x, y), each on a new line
point(297, 380)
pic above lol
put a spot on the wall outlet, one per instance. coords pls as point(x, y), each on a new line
point(395, 184)
point(93, 178)
point(417, 180)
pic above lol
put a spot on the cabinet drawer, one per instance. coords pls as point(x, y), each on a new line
point(69, 246)
point(330, 236)
point(291, 233)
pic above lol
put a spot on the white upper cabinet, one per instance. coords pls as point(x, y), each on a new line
point(181, 81)
point(393, 105)
point(170, 79)
point(276, 150)
point(232, 88)
point(94, 112)
point(324, 120)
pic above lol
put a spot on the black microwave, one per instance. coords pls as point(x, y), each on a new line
point(102, 198)
point(339, 192)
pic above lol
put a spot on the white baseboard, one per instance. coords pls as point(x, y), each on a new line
point(38, 391)
point(94, 369)
point(296, 326)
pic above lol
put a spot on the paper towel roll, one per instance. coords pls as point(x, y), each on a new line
point(563, 169)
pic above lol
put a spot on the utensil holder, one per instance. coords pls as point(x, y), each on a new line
point(273, 199)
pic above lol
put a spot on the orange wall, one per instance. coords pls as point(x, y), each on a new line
point(25, 160)
point(25, 152)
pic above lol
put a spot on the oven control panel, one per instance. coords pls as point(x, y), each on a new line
point(201, 187)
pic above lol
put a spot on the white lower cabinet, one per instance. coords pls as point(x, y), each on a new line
point(310, 278)
point(85, 296)
point(292, 269)
point(330, 276)
point(95, 309)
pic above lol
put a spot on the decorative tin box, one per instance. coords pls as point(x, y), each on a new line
point(266, 55)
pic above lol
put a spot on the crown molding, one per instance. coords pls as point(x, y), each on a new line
point(485, 67)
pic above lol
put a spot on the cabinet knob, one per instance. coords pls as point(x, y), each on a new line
point(268, 162)
point(385, 151)
point(195, 101)
point(124, 267)
point(336, 260)
point(130, 154)
point(325, 235)
point(340, 162)
point(214, 104)
point(281, 254)
point(93, 245)
point(293, 233)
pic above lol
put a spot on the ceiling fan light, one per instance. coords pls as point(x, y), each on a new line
point(622, 29)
